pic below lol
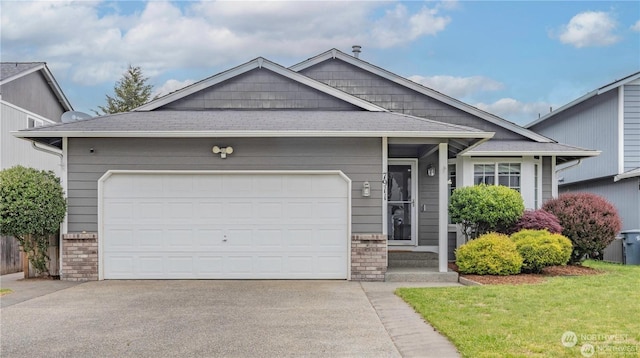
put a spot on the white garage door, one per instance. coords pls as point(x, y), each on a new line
point(225, 226)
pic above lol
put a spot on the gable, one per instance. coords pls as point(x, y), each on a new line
point(395, 97)
point(259, 88)
point(33, 93)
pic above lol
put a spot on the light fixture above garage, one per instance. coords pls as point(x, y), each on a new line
point(222, 151)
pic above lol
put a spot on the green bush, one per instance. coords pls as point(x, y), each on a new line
point(490, 254)
point(540, 248)
point(32, 206)
point(484, 208)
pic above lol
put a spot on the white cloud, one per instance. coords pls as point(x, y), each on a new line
point(636, 27)
point(99, 41)
point(458, 86)
point(514, 110)
point(398, 27)
point(590, 28)
point(170, 86)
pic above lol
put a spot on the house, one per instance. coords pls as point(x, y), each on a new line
point(315, 171)
point(608, 119)
point(29, 97)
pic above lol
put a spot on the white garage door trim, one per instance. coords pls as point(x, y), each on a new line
point(102, 181)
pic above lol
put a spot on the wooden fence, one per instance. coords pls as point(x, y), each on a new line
point(10, 257)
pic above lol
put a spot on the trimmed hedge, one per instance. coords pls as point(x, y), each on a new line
point(540, 248)
point(490, 254)
point(588, 220)
point(485, 208)
point(537, 220)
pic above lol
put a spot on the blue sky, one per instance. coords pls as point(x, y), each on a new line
point(512, 58)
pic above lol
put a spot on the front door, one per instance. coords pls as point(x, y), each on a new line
point(401, 201)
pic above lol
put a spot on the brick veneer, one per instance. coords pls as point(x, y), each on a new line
point(368, 257)
point(79, 257)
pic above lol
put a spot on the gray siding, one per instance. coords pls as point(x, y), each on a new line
point(624, 195)
point(631, 127)
point(260, 89)
point(360, 159)
point(428, 195)
point(547, 175)
point(591, 124)
point(395, 97)
point(32, 93)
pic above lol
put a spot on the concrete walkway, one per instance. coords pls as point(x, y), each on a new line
point(24, 290)
point(412, 336)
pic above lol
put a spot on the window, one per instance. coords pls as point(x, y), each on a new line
point(508, 174)
point(452, 184)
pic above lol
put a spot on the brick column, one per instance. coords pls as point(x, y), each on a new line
point(368, 257)
point(79, 257)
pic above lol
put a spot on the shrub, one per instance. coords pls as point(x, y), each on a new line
point(537, 220)
point(484, 208)
point(490, 254)
point(540, 248)
point(32, 206)
point(588, 220)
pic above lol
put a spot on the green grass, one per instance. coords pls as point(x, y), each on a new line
point(529, 320)
point(5, 291)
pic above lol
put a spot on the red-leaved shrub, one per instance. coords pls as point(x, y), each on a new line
point(588, 220)
point(537, 220)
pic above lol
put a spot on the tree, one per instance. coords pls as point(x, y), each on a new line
point(32, 206)
point(131, 91)
point(484, 208)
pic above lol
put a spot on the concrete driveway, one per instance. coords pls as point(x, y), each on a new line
point(210, 319)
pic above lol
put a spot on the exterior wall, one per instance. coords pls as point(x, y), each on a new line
point(624, 195)
point(260, 89)
point(631, 127)
point(368, 257)
point(15, 151)
point(32, 93)
point(547, 179)
point(428, 195)
point(359, 158)
point(591, 124)
point(395, 97)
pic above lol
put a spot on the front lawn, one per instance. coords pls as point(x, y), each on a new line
point(529, 320)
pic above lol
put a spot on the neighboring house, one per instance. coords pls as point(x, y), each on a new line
point(607, 119)
point(29, 97)
point(262, 171)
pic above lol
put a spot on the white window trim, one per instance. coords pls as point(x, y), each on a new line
point(37, 122)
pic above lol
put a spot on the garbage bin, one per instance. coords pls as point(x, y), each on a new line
point(631, 240)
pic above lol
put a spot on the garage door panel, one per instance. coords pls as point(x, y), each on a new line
point(225, 226)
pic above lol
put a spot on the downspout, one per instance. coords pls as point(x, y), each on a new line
point(35, 146)
point(579, 161)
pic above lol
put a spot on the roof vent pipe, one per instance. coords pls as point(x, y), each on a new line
point(356, 50)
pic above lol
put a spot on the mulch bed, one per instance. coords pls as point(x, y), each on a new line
point(529, 278)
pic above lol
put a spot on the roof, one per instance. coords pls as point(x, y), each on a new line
point(259, 62)
point(10, 71)
point(606, 88)
point(281, 123)
point(508, 148)
point(628, 174)
point(334, 53)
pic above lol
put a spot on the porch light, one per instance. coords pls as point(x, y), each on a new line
point(431, 170)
